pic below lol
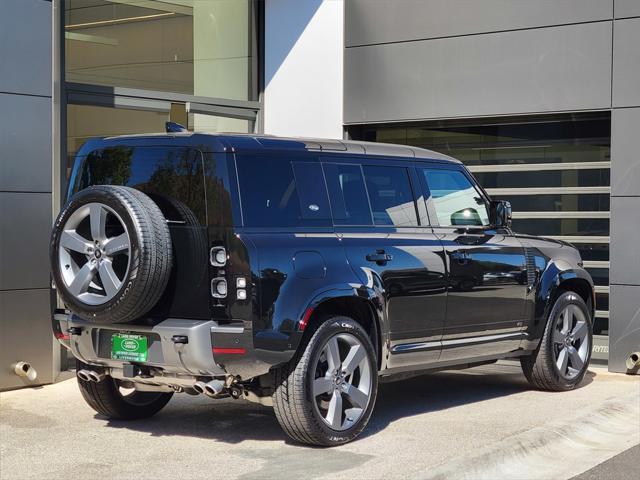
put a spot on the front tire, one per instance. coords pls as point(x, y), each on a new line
point(107, 399)
point(326, 395)
point(562, 359)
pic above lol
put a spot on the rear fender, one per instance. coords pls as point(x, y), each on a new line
point(281, 345)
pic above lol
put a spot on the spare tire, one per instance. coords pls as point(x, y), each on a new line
point(111, 254)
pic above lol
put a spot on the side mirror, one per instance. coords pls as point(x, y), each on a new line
point(500, 214)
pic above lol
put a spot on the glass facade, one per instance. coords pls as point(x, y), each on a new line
point(195, 47)
point(132, 65)
point(553, 169)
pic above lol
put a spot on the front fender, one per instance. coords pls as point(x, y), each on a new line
point(558, 273)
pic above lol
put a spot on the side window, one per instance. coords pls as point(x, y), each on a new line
point(391, 197)
point(349, 203)
point(172, 177)
point(456, 200)
point(276, 192)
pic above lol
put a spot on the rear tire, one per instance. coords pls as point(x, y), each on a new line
point(325, 395)
point(569, 329)
point(106, 399)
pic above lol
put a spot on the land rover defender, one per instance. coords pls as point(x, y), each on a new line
point(297, 273)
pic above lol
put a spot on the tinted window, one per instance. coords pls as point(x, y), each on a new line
point(172, 177)
point(390, 196)
point(349, 203)
point(456, 200)
point(278, 193)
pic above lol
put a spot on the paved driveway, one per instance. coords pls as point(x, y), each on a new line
point(478, 423)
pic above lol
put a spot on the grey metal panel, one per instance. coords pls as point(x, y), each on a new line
point(627, 8)
point(24, 241)
point(624, 325)
point(626, 63)
point(547, 69)
point(380, 21)
point(624, 254)
point(625, 159)
point(25, 335)
point(25, 47)
point(25, 143)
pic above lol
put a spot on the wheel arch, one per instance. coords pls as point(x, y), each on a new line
point(556, 279)
point(362, 308)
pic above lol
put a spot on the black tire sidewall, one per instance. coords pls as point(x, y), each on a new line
point(328, 329)
point(126, 298)
point(565, 299)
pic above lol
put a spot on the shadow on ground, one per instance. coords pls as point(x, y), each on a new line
point(234, 421)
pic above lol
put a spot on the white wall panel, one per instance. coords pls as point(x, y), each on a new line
point(303, 68)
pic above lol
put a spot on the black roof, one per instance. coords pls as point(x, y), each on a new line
point(236, 142)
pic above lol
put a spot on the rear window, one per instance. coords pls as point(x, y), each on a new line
point(391, 196)
point(172, 177)
point(278, 192)
point(348, 194)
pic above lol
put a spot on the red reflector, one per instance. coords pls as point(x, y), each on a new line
point(61, 336)
point(229, 351)
point(305, 319)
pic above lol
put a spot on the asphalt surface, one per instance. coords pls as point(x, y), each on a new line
point(479, 423)
point(624, 465)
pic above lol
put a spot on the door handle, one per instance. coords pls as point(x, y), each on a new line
point(379, 257)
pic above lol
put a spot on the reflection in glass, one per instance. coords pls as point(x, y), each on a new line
point(390, 196)
point(197, 47)
point(85, 121)
point(456, 200)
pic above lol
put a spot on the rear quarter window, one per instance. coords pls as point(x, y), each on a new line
point(172, 177)
point(282, 192)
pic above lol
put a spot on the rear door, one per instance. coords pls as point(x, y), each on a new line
point(392, 250)
point(487, 278)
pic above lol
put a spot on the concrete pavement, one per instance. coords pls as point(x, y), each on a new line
point(479, 423)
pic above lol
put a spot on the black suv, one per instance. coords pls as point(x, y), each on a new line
point(296, 273)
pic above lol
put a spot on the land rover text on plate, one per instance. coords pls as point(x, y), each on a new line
point(298, 273)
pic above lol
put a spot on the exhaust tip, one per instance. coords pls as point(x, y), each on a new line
point(199, 387)
point(83, 375)
point(633, 362)
point(95, 376)
point(214, 388)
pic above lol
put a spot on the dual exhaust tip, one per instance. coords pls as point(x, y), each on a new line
point(211, 389)
point(90, 375)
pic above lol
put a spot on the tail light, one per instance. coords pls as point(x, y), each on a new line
point(218, 256)
point(219, 287)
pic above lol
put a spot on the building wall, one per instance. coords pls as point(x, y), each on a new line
point(444, 59)
point(25, 190)
point(471, 59)
point(624, 336)
point(303, 68)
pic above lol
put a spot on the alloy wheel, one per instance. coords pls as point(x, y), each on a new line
point(343, 381)
point(570, 341)
point(94, 253)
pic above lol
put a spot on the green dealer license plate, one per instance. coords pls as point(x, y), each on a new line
point(130, 347)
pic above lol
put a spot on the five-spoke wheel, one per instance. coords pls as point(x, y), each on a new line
point(94, 253)
point(342, 386)
point(561, 360)
point(325, 396)
point(571, 341)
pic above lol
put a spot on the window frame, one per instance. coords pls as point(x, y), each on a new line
point(364, 161)
point(288, 157)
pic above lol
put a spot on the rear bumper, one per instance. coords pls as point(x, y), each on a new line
point(91, 343)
